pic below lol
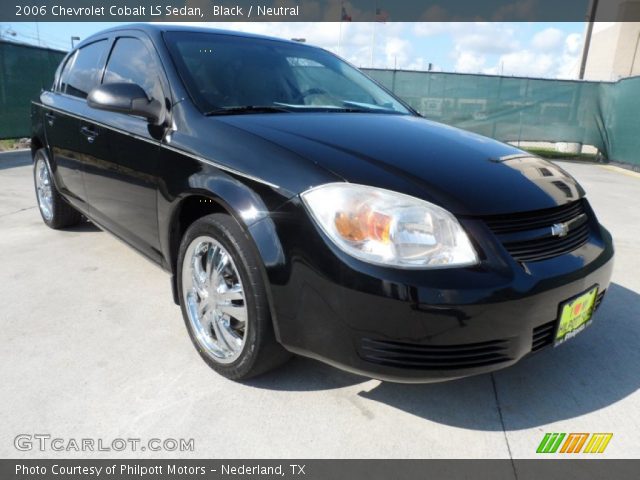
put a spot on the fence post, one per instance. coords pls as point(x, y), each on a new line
point(495, 119)
point(3, 94)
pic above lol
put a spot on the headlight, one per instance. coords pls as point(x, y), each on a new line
point(388, 228)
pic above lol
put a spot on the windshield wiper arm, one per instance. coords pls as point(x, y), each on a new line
point(247, 109)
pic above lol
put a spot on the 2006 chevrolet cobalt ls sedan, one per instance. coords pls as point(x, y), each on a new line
point(300, 207)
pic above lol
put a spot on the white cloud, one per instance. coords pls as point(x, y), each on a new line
point(524, 63)
point(469, 62)
point(574, 43)
point(548, 39)
point(474, 42)
point(396, 51)
point(541, 60)
point(481, 37)
point(487, 41)
point(570, 60)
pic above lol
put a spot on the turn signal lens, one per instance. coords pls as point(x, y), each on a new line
point(389, 228)
point(363, 224)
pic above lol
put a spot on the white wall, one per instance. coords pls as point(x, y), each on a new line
point(614, 52)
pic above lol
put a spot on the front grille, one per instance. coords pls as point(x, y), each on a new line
point(514, 222)
point(536, 250)
point(543, 335)
point(525, 237)
point(434, 357)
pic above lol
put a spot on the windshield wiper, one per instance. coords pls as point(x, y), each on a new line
point(247, 109)
point(367, 107)
point(349, 107)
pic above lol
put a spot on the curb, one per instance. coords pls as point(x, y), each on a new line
point(624, 171)
point(16, 150)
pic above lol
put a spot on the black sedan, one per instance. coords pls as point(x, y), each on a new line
point(300, 207)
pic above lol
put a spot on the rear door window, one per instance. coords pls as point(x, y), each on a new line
point(83, 74)
point(64, 75)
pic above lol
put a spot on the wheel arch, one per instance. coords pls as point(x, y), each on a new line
point(249, 212)
point(188, 208)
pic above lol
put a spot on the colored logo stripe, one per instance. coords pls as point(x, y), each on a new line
point(574, 443)
point(550, 443)
point(598, 442)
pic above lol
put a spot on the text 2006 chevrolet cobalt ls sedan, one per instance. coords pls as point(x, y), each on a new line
point(300, 207)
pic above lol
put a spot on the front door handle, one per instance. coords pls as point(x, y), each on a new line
point(89, 132)
point(50, 118)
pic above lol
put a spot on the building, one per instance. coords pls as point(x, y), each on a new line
point(614, 51)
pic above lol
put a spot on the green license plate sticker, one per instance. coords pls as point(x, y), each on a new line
point(575, 315)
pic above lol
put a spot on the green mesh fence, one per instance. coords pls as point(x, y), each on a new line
point(24, 71)
point(605, 115)
point(619, 120)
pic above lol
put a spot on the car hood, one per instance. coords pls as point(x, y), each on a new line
point(463, 172)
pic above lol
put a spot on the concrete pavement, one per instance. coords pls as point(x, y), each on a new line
point(93, 346)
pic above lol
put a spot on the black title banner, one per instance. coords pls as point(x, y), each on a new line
point(319, 469)
point(318, 10)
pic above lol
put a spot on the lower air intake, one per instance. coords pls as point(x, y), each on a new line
point(434, 357)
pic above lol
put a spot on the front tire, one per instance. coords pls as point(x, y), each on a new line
point(223, 299)
point(54, 209)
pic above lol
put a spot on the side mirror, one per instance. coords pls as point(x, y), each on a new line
point(125, 98)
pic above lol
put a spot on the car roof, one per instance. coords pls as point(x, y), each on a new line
point(154, 29)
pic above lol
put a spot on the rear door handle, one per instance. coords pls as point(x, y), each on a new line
point(50, 118)
point(89, 132)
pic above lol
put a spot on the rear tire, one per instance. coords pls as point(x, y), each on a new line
point(55, 211)
point(223, 299)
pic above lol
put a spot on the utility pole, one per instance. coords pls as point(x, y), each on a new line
point(591, 18)
point(38, 34)
point(373, 42)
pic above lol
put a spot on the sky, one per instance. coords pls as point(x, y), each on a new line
point(546, 50)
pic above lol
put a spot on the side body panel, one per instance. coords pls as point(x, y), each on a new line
point(122, 185)
point(68, 149)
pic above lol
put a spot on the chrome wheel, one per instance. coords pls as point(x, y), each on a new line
point(44, 189)
point(214, 299)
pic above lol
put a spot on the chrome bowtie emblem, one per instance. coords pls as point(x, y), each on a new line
point(559, 229)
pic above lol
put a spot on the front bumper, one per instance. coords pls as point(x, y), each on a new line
point(422, 326)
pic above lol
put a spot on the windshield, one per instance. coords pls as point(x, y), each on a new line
point(228, 73)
